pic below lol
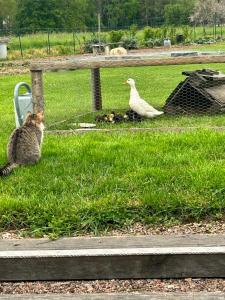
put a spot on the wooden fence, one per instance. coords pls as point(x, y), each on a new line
point(95, 63)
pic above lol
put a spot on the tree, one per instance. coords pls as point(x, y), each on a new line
point(117, 13)
point(72, 13)
point(34, 15)
point(174, 14)
point(209, 12)
point(178, 13)
point(7, 13)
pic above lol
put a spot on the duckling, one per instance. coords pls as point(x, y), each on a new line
point(111, 117)
point(102, 118)
point(131, 115)
point(117, 118)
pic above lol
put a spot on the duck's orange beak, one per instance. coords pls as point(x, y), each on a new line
point(125, 82)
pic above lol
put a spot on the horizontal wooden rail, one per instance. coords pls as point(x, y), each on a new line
point(124, 61)
point(121, 296)
point(113, 257)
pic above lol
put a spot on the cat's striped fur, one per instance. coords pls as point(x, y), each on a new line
point(24, 145)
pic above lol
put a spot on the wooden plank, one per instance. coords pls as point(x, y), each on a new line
point(154, 241)
point(123, 296)
point(111, 267)
point(37, 90)
point(91, 63)
point(113, 257)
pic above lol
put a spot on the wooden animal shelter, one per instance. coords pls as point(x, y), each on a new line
point(96, 63)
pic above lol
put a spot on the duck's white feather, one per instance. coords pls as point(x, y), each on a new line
point(139, 105)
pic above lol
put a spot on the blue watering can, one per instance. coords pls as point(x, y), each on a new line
point(22, 103)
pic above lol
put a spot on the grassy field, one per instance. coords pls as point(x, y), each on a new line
point(64, 43)
point(99, 181)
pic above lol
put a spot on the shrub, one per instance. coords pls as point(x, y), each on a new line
point(187, 32)
point(63, 50)
point(164, 32)
point(152, 33)
point(154, 43)
point(133, 30)
point(206, 40)
point(158, 42)
point(115, 37)
point(172, 34)
point(88, 44)
point(150, 43)
point(149, 33)
point(129, 42)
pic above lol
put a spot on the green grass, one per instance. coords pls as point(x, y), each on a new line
point(96, 182)
point(70, 96)
point(65, 43)
point(40, 40)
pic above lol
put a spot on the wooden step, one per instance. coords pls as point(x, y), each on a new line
point(125, 296)
point(113, 257)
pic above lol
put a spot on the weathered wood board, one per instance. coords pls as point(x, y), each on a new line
point(90, 63)
point(113, 257)
point(124, 296)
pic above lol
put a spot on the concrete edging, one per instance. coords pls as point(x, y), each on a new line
point(113, 257)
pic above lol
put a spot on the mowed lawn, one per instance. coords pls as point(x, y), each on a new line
point(99, 181)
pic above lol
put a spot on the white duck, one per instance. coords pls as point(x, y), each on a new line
point(139, 105)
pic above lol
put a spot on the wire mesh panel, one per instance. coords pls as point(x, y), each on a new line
point(69, 94)
point(202, 92)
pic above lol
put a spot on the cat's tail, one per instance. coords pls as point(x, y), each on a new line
point(7, 169)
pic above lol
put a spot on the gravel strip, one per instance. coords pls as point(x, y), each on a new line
point(14, 71)
point(114, 286)
point(210, 227)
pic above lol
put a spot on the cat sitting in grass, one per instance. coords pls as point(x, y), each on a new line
point(24, 145)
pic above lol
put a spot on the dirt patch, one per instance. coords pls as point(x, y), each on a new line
point(137, 129)
point(206, 227)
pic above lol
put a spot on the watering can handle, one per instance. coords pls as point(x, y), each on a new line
point(16, 94)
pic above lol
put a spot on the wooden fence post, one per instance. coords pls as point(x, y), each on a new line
point(96, 89)
point(37, 91)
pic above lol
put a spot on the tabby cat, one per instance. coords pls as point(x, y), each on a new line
point(24, 145)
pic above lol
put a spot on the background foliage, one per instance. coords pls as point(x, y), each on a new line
point(36, 15)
